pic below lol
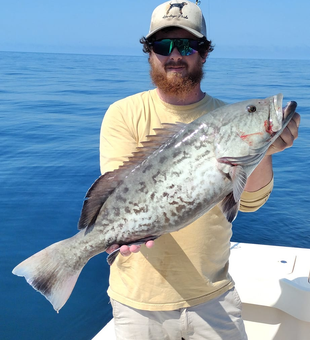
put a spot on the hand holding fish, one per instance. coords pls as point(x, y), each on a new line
point(127, 250)
point(263, 173)
point(287, 137)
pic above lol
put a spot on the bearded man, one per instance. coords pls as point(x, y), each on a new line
point(178, 286)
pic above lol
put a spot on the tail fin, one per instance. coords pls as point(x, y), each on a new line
point(51, 273)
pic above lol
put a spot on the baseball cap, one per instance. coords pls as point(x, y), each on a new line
point(182, 14)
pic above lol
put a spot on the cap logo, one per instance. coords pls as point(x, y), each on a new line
point(177, 5)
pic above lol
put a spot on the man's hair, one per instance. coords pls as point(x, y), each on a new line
point(205, 48)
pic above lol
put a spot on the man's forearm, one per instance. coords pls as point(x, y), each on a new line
point(261, 176)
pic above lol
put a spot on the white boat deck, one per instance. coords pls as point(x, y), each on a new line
point(274, 285)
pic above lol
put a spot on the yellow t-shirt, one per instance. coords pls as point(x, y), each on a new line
point(184, 268)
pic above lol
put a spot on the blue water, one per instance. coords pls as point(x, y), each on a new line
point(51, 107)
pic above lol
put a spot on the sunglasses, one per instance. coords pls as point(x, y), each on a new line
point(184, 46)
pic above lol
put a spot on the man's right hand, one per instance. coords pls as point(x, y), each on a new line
point(127, 250)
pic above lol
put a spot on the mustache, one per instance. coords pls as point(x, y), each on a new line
point(179, 63)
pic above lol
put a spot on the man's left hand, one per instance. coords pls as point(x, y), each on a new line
point(287, 137)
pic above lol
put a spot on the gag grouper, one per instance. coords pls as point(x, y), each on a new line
point(177, 176)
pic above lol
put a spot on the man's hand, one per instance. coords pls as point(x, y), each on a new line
point(127, 250)
point(263, 173)
point(287, 137)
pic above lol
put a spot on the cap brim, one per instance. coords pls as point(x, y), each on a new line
point(194, 32)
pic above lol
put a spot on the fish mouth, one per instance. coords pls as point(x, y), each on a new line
point(282, 117)
point(275, 117)
point(289, 111)
point(277, 121)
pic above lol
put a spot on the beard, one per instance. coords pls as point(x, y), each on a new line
point(175, 83)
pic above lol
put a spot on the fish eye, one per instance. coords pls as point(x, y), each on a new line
point(251, 108)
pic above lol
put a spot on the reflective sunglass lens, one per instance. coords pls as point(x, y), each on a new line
point(184, 46)
point(163, 47)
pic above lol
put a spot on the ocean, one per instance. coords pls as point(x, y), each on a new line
point(51, 108)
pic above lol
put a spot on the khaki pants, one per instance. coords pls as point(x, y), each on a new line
point(218, 319)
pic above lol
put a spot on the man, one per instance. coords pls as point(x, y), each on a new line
point(178, 286)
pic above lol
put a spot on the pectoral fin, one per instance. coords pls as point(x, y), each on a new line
point(230, 204)
point(230, 207)
point(239, 178)
point(253, 159)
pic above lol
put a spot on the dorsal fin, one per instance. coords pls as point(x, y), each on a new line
point(102, 188)
point(95, 197)
point(163, 135)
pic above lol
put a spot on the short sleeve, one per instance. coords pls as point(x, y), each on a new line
point(252, 201)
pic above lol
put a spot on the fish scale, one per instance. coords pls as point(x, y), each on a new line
point(178, 175)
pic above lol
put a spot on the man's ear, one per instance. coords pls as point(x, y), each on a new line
point(204, 58)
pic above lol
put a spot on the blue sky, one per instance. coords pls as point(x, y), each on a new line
point(255, 29)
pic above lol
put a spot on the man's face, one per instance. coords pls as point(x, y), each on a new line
point(176, 74)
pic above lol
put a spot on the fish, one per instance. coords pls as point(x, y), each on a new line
point(179, 173)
